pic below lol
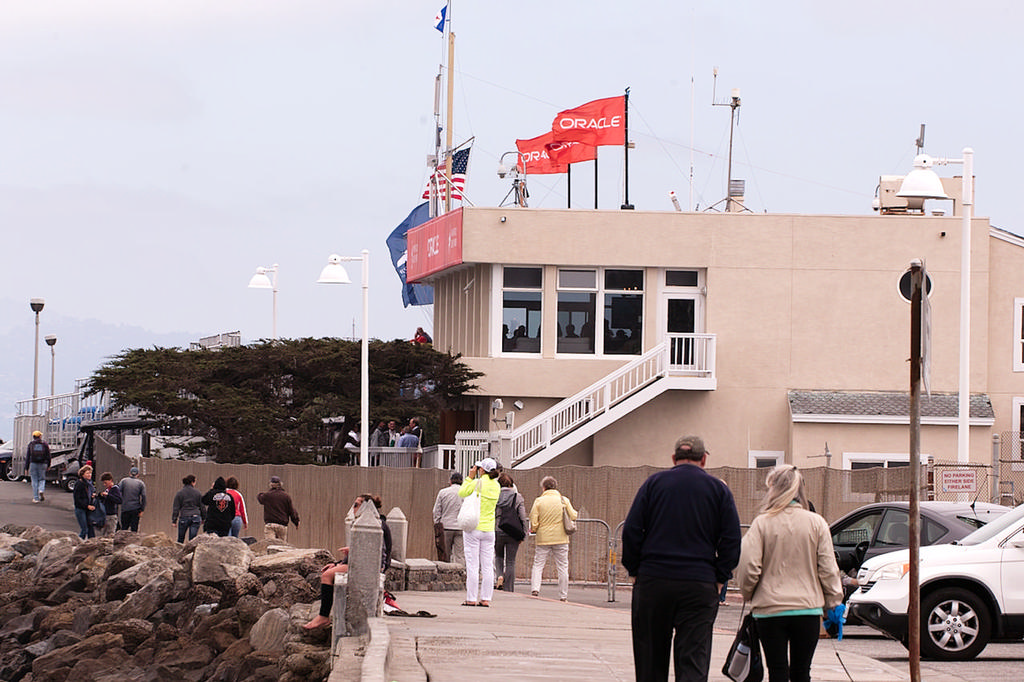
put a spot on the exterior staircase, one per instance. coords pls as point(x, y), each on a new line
point(681, 362)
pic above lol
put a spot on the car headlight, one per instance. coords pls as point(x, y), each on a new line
point(892, 571)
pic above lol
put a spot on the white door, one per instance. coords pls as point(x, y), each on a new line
point(682, 314)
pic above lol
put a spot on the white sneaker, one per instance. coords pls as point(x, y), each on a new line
point(35, 501)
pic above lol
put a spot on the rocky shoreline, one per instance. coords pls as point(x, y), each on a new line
point(143, 608)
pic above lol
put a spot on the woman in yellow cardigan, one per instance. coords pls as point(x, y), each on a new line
point(546, 521)
point(478, 544)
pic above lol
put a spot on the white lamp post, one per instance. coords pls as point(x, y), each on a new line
point(334, 273)
point(261, 281)
point(51, 341)
point(922, 182)
point(37, 305)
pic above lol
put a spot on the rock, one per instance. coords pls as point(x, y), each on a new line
point(144, 602)
point(269, 631)
point(219, 560)
point(291, 560)
point(307, 662)
point(20, 628)
point(56, 665)
point(121, 584)
point(54, 555)
point(134, 631)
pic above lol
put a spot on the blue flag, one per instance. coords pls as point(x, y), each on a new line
point(412, 294)
point(439, 19)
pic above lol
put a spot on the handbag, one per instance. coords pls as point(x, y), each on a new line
point(743, 662)
point(469, 512)
point(510, 523)
point(98, 516)
point(567, 523)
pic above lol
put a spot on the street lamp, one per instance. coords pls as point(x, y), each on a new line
point(36, 304)
point(261, 281)
point(51, 341)
point(922, 182)
point(334, 273)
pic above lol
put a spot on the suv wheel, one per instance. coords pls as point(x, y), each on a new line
point(955, 625)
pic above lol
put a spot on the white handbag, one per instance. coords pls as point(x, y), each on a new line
point(469, 512)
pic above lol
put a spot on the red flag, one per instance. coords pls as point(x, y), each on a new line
point(541, 155)
point(597, 123)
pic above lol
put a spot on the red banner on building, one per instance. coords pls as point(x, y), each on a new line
point(541, 155)
point(597, 123)
point(434, 246)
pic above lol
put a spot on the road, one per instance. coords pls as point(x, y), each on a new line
point(56, 513)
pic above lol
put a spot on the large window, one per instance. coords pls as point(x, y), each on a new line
point(577, 298)
point(623, 312)
point(521, 310)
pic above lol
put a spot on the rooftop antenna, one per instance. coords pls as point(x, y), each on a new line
point(920, 141)
point(731, 204)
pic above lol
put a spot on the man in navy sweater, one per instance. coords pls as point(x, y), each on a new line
point(680, 541)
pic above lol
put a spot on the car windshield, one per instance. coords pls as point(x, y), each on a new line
point(991, 530)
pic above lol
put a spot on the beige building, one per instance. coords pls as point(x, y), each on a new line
point(604, 335)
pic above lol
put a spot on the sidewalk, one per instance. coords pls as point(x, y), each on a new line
point(523, 638)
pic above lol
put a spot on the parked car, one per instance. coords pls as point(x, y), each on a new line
point(972, 591)
point(6, 455)
point(882, 527)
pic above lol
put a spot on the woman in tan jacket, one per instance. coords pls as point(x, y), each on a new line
point(552, 540)
point(788, 572)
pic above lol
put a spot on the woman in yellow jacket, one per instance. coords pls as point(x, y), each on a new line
point(478, 544)
point(546, 522)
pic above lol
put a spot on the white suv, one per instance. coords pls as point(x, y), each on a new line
point(972, 591)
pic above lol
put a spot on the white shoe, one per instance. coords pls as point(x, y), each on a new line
point(35, 501)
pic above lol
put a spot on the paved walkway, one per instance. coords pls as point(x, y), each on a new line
point(523, 638)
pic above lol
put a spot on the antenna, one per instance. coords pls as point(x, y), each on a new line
point(731, 204)
point(920, 141)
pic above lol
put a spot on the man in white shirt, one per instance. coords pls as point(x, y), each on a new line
point(446, 512)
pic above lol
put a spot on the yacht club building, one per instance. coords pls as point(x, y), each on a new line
point(604, 335)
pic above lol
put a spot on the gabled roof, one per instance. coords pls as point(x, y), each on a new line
point(883, 407)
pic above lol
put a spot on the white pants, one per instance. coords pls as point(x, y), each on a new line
point(479, 549)
point(540, 557)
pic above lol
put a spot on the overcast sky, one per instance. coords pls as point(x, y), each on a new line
point(153, 154)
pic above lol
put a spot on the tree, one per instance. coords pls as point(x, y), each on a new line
point(266, 402)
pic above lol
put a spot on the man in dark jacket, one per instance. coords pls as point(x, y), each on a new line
point(681, 541)
point(109, 495)
point(277, 511)
point(220, 509)
point(37, 461)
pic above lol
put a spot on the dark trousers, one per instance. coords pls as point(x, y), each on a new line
point(788, 643)
point(130, 520)
point(505, 550)
point(661, 607)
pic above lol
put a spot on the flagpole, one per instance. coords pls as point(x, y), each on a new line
point(568, 185)
point(625, 150)
point(451, 105)
point(595, 177)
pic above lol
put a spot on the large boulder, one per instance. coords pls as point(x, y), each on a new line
point(218, 560)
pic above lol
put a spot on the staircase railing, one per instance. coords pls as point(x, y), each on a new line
point(678, 355)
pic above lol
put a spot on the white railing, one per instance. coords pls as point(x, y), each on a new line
point(679, 355)
point(61, 415)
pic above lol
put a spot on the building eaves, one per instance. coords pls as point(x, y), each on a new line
point(884, 407)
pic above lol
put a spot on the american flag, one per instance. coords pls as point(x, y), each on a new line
point(460, 160)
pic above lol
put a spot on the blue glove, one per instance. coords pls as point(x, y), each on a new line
point(836, 616)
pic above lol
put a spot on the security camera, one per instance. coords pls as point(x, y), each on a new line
point(497, 404)
point(502, 170)
point(518, 404)
point(502, 219)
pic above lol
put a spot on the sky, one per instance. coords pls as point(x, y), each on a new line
point(153, 154)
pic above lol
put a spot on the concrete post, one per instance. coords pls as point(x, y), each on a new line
point(364, 557)
point(399, 527)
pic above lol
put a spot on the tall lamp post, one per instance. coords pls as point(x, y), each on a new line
point(51, 341)
point(261, 281)
point(922, 182)
point(37, 305)
point(334, 273)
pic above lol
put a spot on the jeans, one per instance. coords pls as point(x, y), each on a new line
point(540, 558)
point(130, 520)
point(189, 524)
point(505, 549)
point(37, 472)
point(788, 643)
point(236, 527)
point(662, 607)
point(479, 548)
point(86, 529)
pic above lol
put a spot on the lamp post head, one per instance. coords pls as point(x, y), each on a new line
point(334, 272)
point(51, 340)
point(922, 182)
point(36, 304)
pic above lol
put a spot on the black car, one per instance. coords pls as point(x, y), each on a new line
point(883, 527)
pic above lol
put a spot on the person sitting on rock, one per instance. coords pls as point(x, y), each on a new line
point(330, 570)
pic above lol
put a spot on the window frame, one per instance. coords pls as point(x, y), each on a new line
point(502, 290)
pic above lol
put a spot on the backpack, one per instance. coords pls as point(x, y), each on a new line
point(509, 521)
point(37, 452)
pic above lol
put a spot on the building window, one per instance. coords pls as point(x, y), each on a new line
point(521, 310)
point(577, 310)
point(1018, 335)
point(765, 459)
point(623, 312)
point(681, 278)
